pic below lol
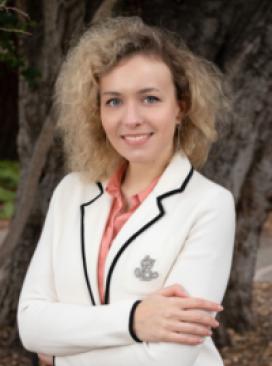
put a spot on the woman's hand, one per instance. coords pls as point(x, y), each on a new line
point(48, 360)
point(166, 313)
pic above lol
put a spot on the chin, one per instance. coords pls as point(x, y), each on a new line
point(140, 158)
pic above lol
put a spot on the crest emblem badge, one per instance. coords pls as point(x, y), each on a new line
point(145, 273)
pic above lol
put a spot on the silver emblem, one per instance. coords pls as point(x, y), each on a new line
point(145, 273)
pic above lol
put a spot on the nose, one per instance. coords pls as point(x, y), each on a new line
point(132, 115)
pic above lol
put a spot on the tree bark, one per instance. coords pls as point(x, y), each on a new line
point(237, 36)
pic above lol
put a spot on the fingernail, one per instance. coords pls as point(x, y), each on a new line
point(209, 332)
point(219, 307)
point(216, 323)
point(200, 340)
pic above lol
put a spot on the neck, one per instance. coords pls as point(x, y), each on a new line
point(138, 176)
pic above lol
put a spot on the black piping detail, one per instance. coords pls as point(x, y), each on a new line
point(83, 241)
point(54, 362)
point(130, 323)
point(134, 236)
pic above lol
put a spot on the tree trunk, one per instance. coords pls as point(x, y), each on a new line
point(237, 36)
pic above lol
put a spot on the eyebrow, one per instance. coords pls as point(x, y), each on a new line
point(138, 92)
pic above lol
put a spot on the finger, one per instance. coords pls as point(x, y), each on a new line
point(190, 329)
point(197, 303)
point(48, 360)
point(41, 357)
point(199, 318)
point(180, 338)
point(173, 290)
point(185, 339)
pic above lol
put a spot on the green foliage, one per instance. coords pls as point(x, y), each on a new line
point(9, 177)
point(9, 174)
point(12, 28)
point(6, 211)
point(6, 195)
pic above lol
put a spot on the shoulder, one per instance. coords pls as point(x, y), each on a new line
point(209, 195)
point(207, 189)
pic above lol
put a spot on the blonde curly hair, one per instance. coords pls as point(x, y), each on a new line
point(100, 48)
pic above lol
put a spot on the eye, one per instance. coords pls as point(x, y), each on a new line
point(114, 104)
point(151, 99)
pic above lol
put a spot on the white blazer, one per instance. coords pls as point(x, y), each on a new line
point(182, 233)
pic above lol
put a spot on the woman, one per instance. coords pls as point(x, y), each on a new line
point(134, 226)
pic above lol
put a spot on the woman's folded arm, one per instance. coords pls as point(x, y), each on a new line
point(63, 329)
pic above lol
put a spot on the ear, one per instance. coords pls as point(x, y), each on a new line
point(183, 107)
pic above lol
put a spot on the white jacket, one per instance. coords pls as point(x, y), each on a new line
point(182, 233)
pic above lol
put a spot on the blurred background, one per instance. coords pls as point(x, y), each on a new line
point(237, 36)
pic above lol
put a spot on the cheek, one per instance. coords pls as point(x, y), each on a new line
point(108, 124)
point(166, 123)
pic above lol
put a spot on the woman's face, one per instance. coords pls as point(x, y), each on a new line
point(139, 110)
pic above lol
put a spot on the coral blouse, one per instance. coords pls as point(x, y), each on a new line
point(116, 218)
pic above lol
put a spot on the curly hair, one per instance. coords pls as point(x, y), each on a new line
point(98, 51)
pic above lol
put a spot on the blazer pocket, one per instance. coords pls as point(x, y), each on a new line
point(147, 267)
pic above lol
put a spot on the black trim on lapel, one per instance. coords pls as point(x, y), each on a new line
point(83, 241)
point(162, 212)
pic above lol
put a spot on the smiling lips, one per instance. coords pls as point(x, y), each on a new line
point(137, 139)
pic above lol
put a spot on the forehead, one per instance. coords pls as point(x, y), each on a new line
point(137, 72)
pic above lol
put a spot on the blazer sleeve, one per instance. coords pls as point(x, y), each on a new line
point(202, 268)
point(50, 327)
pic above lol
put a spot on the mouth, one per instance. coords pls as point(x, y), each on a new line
point(136, 137)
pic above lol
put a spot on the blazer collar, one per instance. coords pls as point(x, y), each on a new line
point(173, 175)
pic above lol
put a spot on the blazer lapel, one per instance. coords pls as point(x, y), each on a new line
point(173, 181)
point(146, 214)
point(94, 215)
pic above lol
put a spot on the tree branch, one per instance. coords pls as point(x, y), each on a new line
point(5, 8)
point(104, 10)
point(15, 30)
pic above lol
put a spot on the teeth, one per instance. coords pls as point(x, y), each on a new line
point(137, 138)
